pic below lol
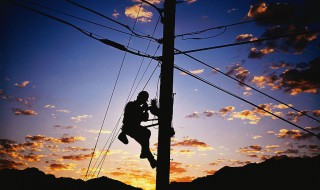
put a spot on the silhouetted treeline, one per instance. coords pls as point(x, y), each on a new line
point(32, 178)
point(275, 173)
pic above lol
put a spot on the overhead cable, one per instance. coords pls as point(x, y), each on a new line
point(87, 33)
point(82, 19)
point(238, 97)
point(249, 42)
point(110, 19)
point(253, 88)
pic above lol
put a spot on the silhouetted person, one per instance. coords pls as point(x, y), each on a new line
point(135, 112)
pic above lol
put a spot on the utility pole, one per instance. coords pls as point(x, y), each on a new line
point(166, 96)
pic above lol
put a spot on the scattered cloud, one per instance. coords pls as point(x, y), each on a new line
point(150, 1)
point(188, 142)
point(245, 37)
point(280, 65)
point(247, 115)
point(316, 113)
point(191, 1)
point(61, 166)
point(18, 111)
point(176, 168)
point(256, 137)
point(115, 13)
point(224, 111)
point(209, 113)
point(80, 118)
point(49, 106)
point(303, 78)
point(63, 139)
point(4, 164)
point(103, 131)
point(195, 72)
point(63, 111)
point(193, 115)
point(251, 149)
point(209, 172)
point(65, 127)
point(273, 13)
point(23, 84)
point(238, 72)
point(231, 10)
point(77, 157)
point(144, 15)
point(183, 179)
point(257, 54)
point(293, 134)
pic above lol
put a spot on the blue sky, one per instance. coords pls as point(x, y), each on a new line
point(56, 84)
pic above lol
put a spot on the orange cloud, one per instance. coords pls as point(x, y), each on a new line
point(77, 157)
point(23, 84)
point(316, 113)
point(41, 138)
point(9, 164)
point(251, 149)
point(144, 15)
point(209, 172)
point(183, 179)
point(56, 167)
point(224, 111)
point(239, 72)
point(257, 9)
point(293, 134)
point(255, 53)
point(175, 168)
point(247, 114)
point(150, 1)
point(18, 111)
point(187, 142)
point(244, 37)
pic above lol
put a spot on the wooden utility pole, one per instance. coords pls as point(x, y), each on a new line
point(166, 96)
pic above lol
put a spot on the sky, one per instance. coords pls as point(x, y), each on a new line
point(62, 92)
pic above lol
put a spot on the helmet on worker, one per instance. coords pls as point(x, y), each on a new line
point(143, 96)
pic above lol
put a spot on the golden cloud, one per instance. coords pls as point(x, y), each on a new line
point(144, 15)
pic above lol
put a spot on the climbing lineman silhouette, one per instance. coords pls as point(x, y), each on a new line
point(136, 112)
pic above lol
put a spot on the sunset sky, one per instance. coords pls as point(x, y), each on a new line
point(61, 97)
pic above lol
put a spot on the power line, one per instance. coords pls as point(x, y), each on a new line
point(85, 20)
point(116, 131)
point(248, 42)
point(213, 28)
point(255, 89)
point(113, 90)
point(110, 19)
point(154, 30)
point(87, 33)
point(314, 12)
point(238, 97)
point(160, 11)
point(208, 37)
